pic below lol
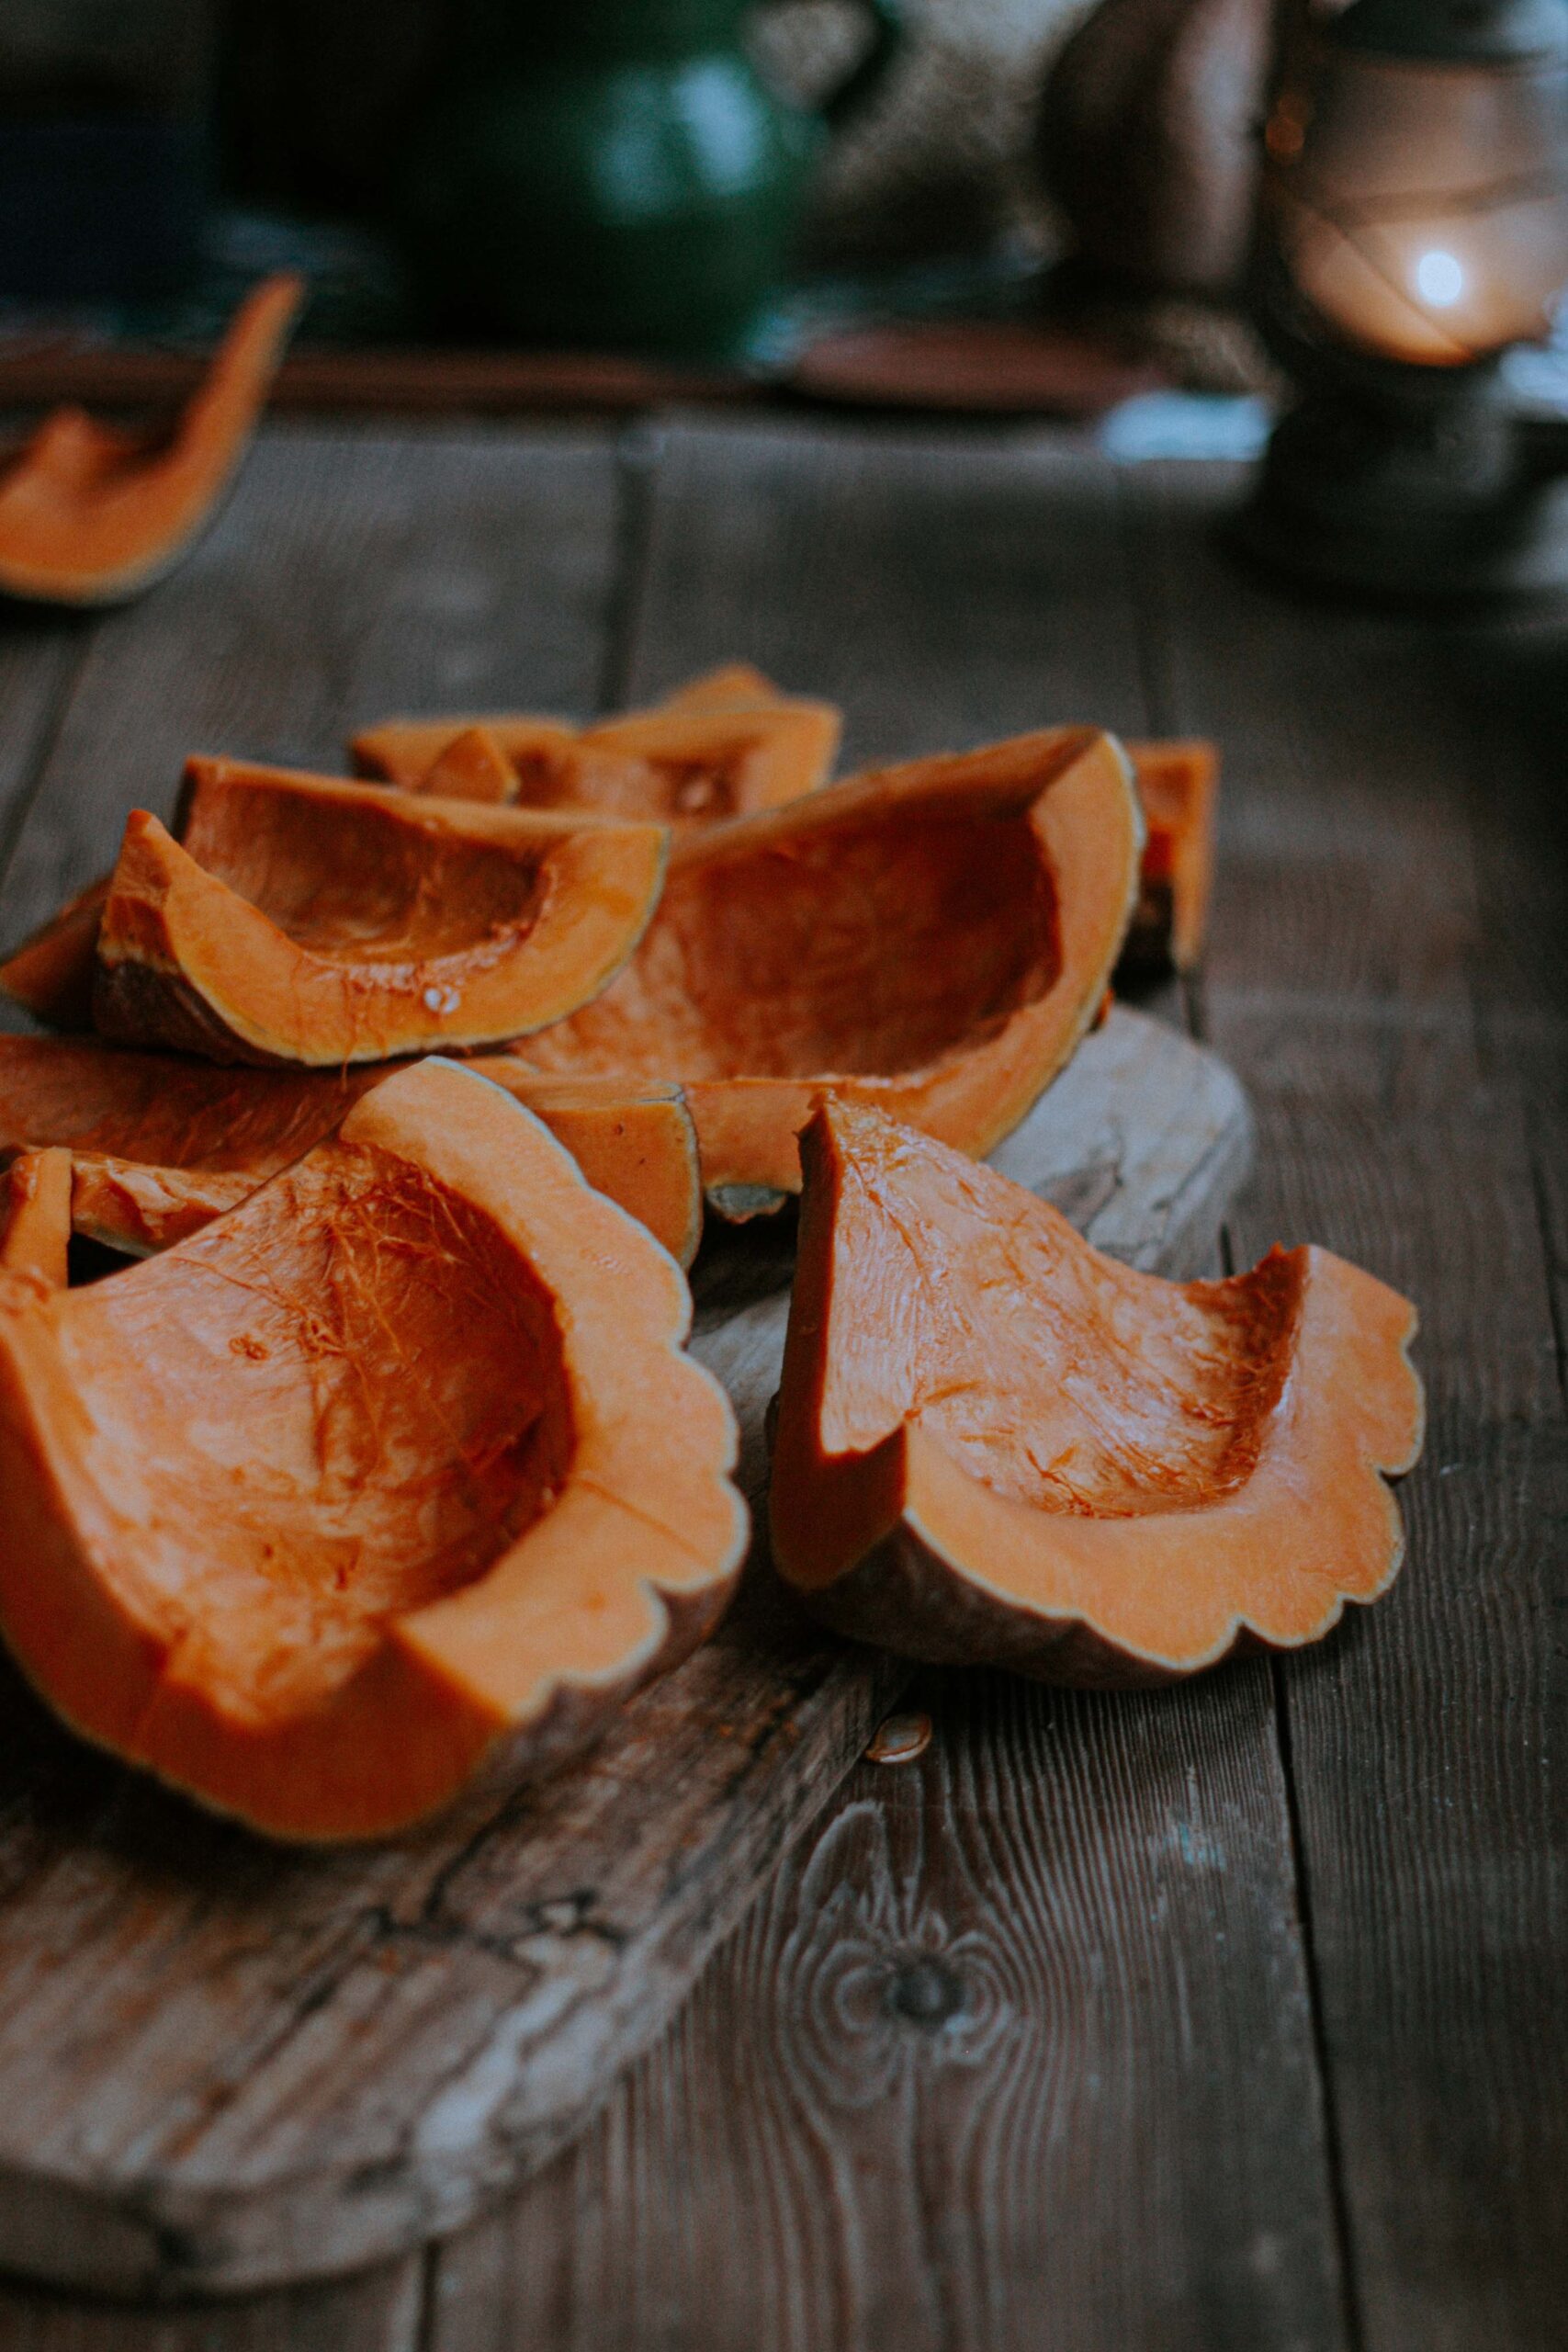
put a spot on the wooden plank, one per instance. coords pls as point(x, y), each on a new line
point(221, 2064)
point(948, 2084)
point(945, 588)
point(1390, 976)
point(38, 659)
point(353, 574)
point(1017, 2049)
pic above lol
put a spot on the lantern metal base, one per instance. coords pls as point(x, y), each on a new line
point(1433, 502)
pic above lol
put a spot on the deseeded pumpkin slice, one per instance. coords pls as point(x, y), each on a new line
point(397, 1471)
point(734, 686)
point(715, 760)
point(302, 920)
point(934, 938)
point(161, 1145)
point(995, 1444)
point(409, 751)
point(1176, 783)
point(89, 514)
point(718, 752)
point(53, 969)
point(534, 761)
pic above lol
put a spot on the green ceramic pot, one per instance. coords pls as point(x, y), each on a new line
point(613, 172)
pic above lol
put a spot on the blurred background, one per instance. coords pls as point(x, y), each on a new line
point(423, 160)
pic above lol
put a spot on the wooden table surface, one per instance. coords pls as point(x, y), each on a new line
point(1229, 2017)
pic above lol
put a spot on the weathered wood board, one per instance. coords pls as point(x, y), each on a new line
point(223, 2066)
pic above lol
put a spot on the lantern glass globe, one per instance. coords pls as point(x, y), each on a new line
point(1420, 208)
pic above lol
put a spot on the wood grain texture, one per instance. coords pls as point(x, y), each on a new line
point(899, 2109)
point(39, 658)
point(1389, 973)
point(353, 574)
point(947, 589)
point(1017, 2051)
point(221, 2064)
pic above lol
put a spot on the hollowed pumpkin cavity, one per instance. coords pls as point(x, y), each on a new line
point(301, 920)
point(995, 1444)
point(934, 937)
point(397, 1464)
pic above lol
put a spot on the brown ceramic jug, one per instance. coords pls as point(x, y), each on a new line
point(1149, 140)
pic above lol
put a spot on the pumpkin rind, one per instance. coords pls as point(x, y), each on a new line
point(300, 919)
point(1178, 784)
point(396, 1472)
point(995, 1445)
point(934, 938)
point(88, 516)
point(161, 1145)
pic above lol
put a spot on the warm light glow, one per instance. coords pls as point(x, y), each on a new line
point(1439, 279)
point(1422, 208)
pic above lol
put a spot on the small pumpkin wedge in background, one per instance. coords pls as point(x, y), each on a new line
point(1178, 784)
point(395, 1472)
point(300, 919)
point(995, 1445)
point(160, 1145)
point(719, 749)
point(934, 937)
point(91, 515)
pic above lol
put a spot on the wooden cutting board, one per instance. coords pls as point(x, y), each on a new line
point(224, 2066)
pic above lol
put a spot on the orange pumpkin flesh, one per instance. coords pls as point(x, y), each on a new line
point(1176, 783)
point(995, 1444)
point(734, 686)
point(685, 763)
point(35, 1216)
point(935, 938)
point(473, 766)
point(89, 514)
point(395, 1471)
point(161, 1145)
point(407, 751)
point(53, 970)
point(306, 920)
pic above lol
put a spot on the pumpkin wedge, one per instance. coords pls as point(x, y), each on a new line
point(160, 1145)
point(1176, 783)
point(995, 1445)
point(301, 920)
point(89, 514)
point(935, 938)
point(35, 1216)
point(533, 760)
point(53, 969)
point(395, 1472)
point(734, 686)
point(717, 751)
